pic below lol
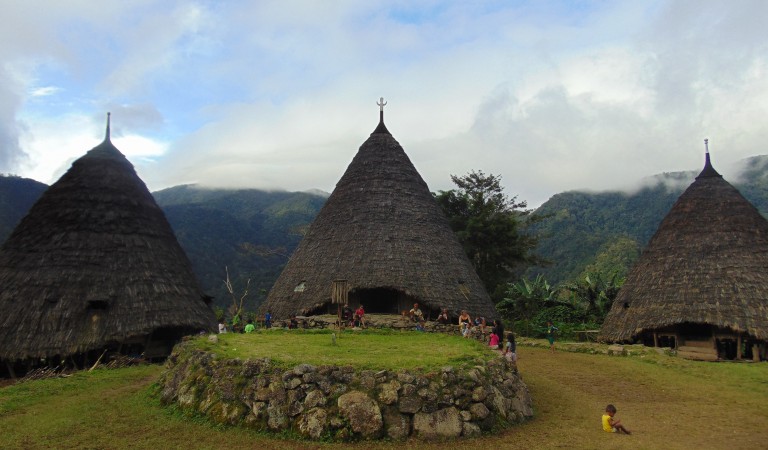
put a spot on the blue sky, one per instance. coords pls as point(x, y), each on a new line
point(551, 96)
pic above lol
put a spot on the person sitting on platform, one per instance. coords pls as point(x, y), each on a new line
point(417, 315)
point(443, 317)
point(464, 322)
point(360, 317)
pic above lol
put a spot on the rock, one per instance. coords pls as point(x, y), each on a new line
point(616, 350)
point(213, 338)
point(301, 369)
point(388, 392)
point(278, 419)
point(409, 404)
point(314, 423)
point(408, 390)
point(295, 406)
point(427, 394)
point(442, 424)
point(479, 394)
point(397, 426)
point(405, 377)
point(469, 429)
point(367, 382)
point(498, 403)
point(276, 393)
point(479, 411)
point(259, 410)
point(429, 406)
point(362, 413)
point(314, 398)
point(324, 386)
point(466, 416)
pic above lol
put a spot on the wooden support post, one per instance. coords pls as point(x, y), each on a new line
point(738, 347)
point(655, 339)
point(10, 369)
point(755, 353)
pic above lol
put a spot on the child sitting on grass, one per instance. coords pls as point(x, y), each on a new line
point(610, 424)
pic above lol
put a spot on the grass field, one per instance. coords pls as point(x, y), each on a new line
point(667, 402)
point(368, 350)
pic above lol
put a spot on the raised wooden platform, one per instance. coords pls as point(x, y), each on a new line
point(699, 351)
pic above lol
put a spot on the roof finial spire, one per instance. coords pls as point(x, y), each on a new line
point(708, 170)
point(106, 137)
point(381, 104)
point(381, 128)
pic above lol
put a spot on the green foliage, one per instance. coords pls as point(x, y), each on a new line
point(595, 293)
point(250, 231)
point(492, 228)
point(525, 299)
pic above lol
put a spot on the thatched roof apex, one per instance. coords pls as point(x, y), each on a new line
point(380, 228)
point(706, 264)
point(708, 170)
point(94, 262)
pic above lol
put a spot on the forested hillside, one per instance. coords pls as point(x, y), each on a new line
point(607, 230)
point(17, 195)
point(253, 232)
point(249, 231)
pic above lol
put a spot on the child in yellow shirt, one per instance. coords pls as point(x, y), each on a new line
point(610, 424)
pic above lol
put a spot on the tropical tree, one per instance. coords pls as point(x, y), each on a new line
point(491, 227)
point(595, 293)
point(525, 299)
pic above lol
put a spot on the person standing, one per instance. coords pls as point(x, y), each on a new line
point(268, 319)
point(510, 348)
point(551, 332)
point(498, 329)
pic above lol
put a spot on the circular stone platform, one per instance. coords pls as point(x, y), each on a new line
point(342, 402)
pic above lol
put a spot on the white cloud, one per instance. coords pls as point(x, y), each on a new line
point(550, 95)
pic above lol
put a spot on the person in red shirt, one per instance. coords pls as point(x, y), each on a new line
point(360, 316)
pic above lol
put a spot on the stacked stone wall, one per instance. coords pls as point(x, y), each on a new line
point(344, 403)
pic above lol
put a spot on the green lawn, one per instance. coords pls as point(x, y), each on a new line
point(365, 349)
point(667, 402)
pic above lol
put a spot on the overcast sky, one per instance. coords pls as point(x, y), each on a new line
point(551, 96)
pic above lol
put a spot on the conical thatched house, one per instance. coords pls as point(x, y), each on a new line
point(701, 285)
point(95, 265)
point(381, 231)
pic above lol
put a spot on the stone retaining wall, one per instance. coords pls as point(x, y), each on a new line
point(342, 403)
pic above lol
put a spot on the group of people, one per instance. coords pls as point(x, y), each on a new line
point(250, 327)
point(354, 319)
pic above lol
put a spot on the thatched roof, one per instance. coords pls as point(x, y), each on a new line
point(94, 262)
point(380, 228)
point(706, 264)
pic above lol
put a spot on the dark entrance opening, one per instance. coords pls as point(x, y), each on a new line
point(378, 300)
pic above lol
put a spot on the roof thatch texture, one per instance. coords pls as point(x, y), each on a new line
point(706, 264)
point(380, 228)
point(94, 262)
